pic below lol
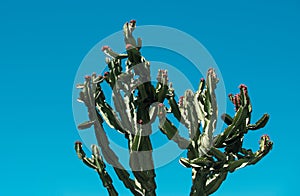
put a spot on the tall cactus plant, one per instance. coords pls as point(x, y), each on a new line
point(138, 103)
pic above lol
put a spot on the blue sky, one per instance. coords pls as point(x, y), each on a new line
point(43, 43)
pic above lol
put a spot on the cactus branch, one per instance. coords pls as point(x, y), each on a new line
point(97, 164)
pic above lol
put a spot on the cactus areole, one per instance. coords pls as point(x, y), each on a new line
point(138, 103)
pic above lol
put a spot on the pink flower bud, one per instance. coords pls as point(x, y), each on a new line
point(105, 48)
point(243, 86)
point(128, 46)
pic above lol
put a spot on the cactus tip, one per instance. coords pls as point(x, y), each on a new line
point(160, 104)
point(243, 86)
point(133, 21)
point(106, 73)
point(265, 136)
point(128, 46)
point(104, 48)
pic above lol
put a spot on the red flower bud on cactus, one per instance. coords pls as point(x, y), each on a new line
point(237, 100)
point(160, 104)
point(128, 46)
point(244, 87)
point(106, 74)
point(265, 137)
point(87, 77)
point(180, 102)
point(140, 121)
point(105, 48)
point(202, 80)
point(133, 21)
point(78, 143)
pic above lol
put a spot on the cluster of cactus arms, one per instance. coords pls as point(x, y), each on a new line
point(138, 103)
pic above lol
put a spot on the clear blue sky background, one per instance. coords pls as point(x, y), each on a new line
point(43, 42)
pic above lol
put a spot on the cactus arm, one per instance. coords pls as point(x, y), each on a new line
point(109, 52)
point(113, 160)
point(265, 146)
point(104, 176)
point(199, 162)
point(239, 117)
point(102, 139)
point(128, 29)
point(141, 163)
point(85, 125)
point(110, 117)
point(168, 128)
point(252, 158)
point(162, 85)
point(121, 109)
point(201, 87)
point(260, 123)
point(123, 175)
point(82, 156)
point(227, 119)
point(258, 156)
point(207, 115)
point(98, 165)
point(139, 43)
point(108, 114)
point(174, 108)
point(237, 164)
point(192, 123)
point(173, 134)
point(212, 81)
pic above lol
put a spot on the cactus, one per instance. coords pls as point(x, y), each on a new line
point(138, 103)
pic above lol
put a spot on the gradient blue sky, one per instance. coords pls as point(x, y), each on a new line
point(42, 44)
